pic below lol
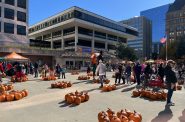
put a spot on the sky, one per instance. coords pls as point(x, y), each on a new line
point(113, 9)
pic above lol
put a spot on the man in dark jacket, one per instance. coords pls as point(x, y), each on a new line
point(171, 81)
point(161, 71)
point(138, 73)
point(36, 66)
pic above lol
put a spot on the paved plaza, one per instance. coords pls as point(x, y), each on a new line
point(47, 105)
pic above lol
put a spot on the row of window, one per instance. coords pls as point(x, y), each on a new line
point(10, 14)
point(83, 31)
point(85, 17)
point(20, 3)
point(9, 28)
point(175, 15)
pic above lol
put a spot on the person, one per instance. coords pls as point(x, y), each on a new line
point(100, 57)
point(138, 73)
point(63, 70)
point(128, 71)
point(46, 68)
point(36, 66)
point(147, 74)
point(88, 69)
point(1, 72)
point(119, 74)
point(58, 69)
point(161, 72)
point(171, 81)
point(101, 72)
point(52, 72)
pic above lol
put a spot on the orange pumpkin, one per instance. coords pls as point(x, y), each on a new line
point(23, 94)
point(18, 96)
point(124, 118)
point(2, 88)
point(136, 93)
point(113, 87)
point(10, 87)
point(82, 98)
point(110, 113)
point(77, 101)
point(70, 99)
point(86, 97)
point(10, 97)
point(115, 119)
point(2, 98)
point(135, 117)
point(69, 84)
point(26, 92)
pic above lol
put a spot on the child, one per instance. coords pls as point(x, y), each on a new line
point(63, 70)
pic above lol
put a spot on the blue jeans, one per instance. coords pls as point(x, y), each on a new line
point(169, 94)
point(102, 77)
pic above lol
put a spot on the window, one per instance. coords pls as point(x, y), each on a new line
point(21, 30)
point(10, 2)
point(21, 3)
point(21, 16)
point(9, 13)
point(9, 28)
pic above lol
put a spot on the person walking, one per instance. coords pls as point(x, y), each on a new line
point(119, 74)
point(1, 72)
point(128, 71)
point(171, 81)
point(58, 69)
point(36, 66)
point(46, 68)
point(138, 73)
point(63, 70)
point(101, 72)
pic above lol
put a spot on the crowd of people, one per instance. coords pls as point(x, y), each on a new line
point(19, 69)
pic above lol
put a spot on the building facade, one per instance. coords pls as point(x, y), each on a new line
point(175, 20)
point(14, 22)
point(143, 43)
point(78, 30)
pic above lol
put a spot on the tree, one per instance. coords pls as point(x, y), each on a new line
point(125, 53)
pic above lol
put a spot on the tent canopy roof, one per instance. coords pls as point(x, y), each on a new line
point(15, 56)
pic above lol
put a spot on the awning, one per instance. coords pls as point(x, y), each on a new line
point(15, 57)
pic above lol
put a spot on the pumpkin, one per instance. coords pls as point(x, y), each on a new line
point(159, 96)
point(153, 96)
point(110, 113)
point(128, 112)
point(82, 98)
point(86, 97)
point(107, 81)
point(143, 93)
point(69, 84)
point(135, 117)
point(2, 98)
point(10, 87)
point(179, 87)
point(105, 88)
point(2, 88)
point(77, 101)
point(101, 115)
point(113, 87)
point(109, 88)
point(26, 92)
point(18, 96)
point(138, 114)
point(64, 85)
point(10, 97)
point(115, 119)
point(122, 112)
point(136, 93)
point(23, 94)
point(124, 118)
point(70, 99)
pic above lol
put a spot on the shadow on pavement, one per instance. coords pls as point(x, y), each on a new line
point(83, 81)
point(182, 118)
point(63, 104)
point(128, 89)
point(164, 116)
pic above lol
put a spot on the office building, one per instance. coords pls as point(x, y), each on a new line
point(14, 22)
point(76, 30)
point(143, 43)
point(175, 20)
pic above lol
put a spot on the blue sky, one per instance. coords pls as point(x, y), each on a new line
point(113, 9)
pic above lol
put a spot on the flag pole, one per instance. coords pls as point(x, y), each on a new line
point(166, 49)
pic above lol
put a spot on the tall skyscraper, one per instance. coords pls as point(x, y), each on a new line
point(143, 43)
point(175, 20)
point(13, 22)
point(158, 17)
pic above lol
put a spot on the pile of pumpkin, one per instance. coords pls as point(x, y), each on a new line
point(108, 88)
point(61, 85)
point(74, 73)
point(106, 81)
point(161, 95)
point(121, 116)
point(14, 78)
point(76, 98)
point(83, 77)
point(12, 95)
point(5, 87)
point(48, 78)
